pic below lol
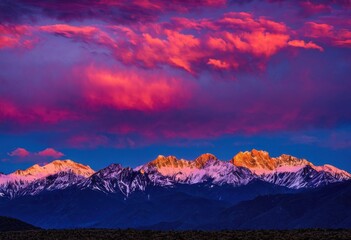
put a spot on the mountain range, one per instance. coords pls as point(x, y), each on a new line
point(252, 190)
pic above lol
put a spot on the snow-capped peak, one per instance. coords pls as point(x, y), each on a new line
point(334, 171)
point(36, 171)
point(204, 168)
point(288, 170)
point(55, 167)
point(165, 171)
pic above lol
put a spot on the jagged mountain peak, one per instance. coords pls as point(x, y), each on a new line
point(288, 160)
point(173, 162)
point(285, 170)
point(261, 153)
point(203, 159)
point(115, 178)
point(254, 159)
point(260, 162)
point(112, 167)
point(205, 168)
point(29, 171)
point(169, 161)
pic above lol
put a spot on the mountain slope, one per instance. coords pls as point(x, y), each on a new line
point(116, 178)
point(12, 224)
point(189, 205)
point(327, 207)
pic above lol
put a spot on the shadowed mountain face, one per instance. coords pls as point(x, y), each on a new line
point(258, 205)
point(252, 191)
point(12, 224)
point(327, 207)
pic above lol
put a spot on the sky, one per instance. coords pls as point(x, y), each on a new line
point(104, 81)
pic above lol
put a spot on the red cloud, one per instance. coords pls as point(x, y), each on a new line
point(169, 45)
point(6, 41)
point(237, 40)
point(85, 33)
point(303, 44)
point(218, 63)
point(258, 43)
point(152, 45)
point(69, 31)
point(130, 90)
point(50, 152)
point(19, 152)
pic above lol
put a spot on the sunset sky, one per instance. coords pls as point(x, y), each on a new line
point(107, 81)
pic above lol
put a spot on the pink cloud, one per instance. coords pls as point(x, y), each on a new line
point(50, 152)
point(155, 44)
point(310, 8)
point(340, 37)
point(237, 39)
point(90, 33)
point(24, 115)
point(156, 79)
point(218, 63)
point(258, 43)
point(15, 35)
point(303, 44)
point(130, 90)
point(69, 31)
point(257, 37)
point(180, 23)
point(246, 22)
point(317, 30)
point(217, 43)
point(19, 152)
point(8, 110)
point(343, 38)
point(6, 41)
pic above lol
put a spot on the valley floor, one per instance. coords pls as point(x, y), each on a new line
point(131, 234)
